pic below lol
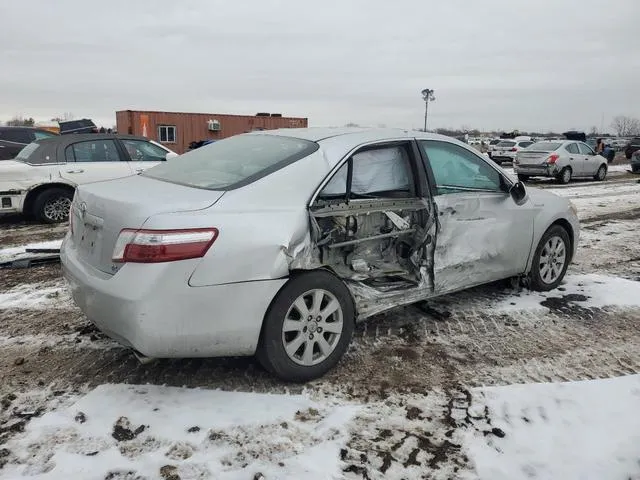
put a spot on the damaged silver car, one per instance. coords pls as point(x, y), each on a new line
point(275, 243)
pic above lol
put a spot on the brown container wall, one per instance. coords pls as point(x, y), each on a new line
point(193, 127)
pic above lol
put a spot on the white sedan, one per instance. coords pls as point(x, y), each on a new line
point(41, 180)
point(275, 243)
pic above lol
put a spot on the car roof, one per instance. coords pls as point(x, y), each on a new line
point(357, 134)
point(80, 137)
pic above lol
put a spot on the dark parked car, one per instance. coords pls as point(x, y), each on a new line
point(632, 146)
point(14, 139)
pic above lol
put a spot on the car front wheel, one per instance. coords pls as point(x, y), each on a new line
point(550, 260)
point(601, 174)
point(307, 328)
point(52, 205)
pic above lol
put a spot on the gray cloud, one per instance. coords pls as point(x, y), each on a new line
point(548, 64)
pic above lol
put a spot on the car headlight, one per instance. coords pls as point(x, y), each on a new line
point(573, 208)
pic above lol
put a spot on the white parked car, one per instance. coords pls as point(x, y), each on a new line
point(562, 160)
point(275, 243)
point(505, 150)
point(41, 180)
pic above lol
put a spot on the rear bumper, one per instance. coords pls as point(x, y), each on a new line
point(536, 170)
point(151, 308)
point(11, 201)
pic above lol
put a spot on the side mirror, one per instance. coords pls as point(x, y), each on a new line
point(518, 192)
point(170, 155)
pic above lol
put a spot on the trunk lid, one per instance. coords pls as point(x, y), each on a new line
point(101, 210)
point(527, 157)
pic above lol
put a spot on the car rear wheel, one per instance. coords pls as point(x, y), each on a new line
point(52, 205)
point(550, 260)
point(523, 178)
point(601, 174)
point(307, 328)
point(564, 176)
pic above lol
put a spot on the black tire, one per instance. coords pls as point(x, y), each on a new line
point(601, 174)
point(564, 176)
point(523, 178)
point(536, 282)
point(50, 205)
point(271, 351)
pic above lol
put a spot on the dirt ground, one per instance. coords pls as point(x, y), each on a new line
point(440, 348)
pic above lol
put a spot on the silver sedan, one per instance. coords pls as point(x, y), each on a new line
point(276, 243)
point(561, 160)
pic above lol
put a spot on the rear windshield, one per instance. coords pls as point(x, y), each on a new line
point(27, 152)
point(545, 146)
point(507, 143)
point(232, 162)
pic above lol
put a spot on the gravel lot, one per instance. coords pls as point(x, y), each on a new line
point(411, 369)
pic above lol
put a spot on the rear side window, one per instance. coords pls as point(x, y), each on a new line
point(93, 151)
point(233, 162)
point(525, 144)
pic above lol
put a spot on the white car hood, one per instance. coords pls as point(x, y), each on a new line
point(541, 198)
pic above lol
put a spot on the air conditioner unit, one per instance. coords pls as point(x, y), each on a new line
point(214, 126)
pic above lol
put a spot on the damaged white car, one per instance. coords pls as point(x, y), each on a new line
point(276, 243)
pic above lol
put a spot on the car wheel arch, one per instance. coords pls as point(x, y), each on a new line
point(34, 192)
point(296, 273)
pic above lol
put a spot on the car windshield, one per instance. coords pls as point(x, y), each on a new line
point(545, 146)
point(232, 162)
point(506, 143)
point(27, 152)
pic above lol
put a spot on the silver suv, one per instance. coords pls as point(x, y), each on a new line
point(563, 160)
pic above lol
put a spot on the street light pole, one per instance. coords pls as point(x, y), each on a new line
point(427, 96)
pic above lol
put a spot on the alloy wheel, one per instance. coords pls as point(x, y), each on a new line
point(57, 209)
point(552, 259)
point(566, 175)
point(312, 327)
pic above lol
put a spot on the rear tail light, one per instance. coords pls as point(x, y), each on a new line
point(553, 158)
point(514, 149)
point(155, 246)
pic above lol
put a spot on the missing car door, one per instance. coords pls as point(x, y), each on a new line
point(373, 224)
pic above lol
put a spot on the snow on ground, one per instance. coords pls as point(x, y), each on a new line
point(12, 253)
point(36, 296)
point(594, 200)
point(588, 291)
point(155, 431)
point(578, 430)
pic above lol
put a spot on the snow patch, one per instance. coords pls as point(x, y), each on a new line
point(587, 430)
point(36, 296)
point(588, 291)
point(193, 433)
point(13, 253)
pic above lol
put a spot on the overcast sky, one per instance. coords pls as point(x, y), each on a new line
point(543, 65)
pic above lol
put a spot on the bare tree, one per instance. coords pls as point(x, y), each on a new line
point(351, 124)
point(19, 121)
point(594, 131)
point(626, 126)
point(64, 117)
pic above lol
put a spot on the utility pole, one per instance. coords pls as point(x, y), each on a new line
point(427, 96)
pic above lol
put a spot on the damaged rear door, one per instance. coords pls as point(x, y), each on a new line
point(373, 224)
point(483, 234)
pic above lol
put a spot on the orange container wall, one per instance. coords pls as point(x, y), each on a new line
point(192, 127)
